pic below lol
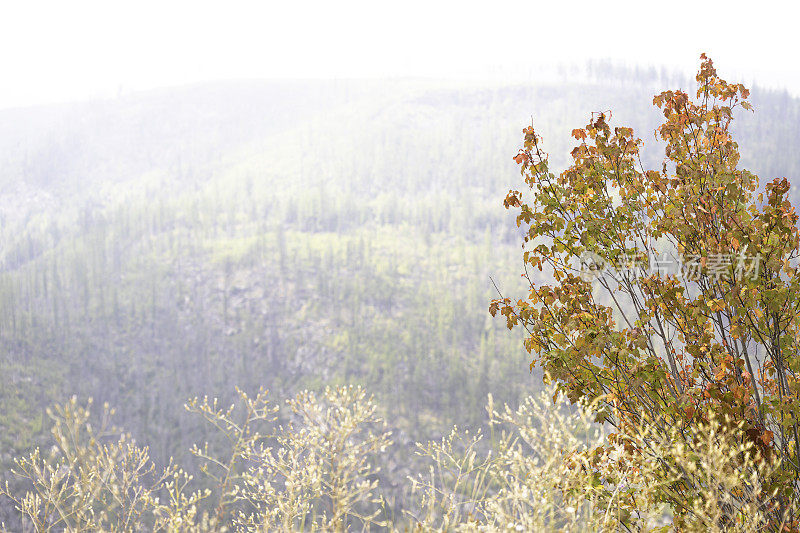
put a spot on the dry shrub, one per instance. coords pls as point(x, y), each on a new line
point(545, 466)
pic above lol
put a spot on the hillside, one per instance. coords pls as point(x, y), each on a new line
point(284, 235)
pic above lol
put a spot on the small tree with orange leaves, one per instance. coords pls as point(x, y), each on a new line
point(672, 294)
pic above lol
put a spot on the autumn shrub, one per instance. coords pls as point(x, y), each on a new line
point(670, 295)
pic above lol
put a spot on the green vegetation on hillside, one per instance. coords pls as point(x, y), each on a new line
point(281, 235)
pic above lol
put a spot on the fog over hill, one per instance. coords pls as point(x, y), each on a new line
point(287, 235)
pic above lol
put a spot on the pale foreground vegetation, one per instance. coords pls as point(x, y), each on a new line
point(545, 466)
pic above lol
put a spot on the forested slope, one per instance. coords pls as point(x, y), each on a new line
point(284, 235)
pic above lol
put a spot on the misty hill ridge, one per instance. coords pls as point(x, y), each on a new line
point(185, 241)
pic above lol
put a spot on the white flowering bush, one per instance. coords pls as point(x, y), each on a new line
point(94, 479)
point(537, 476)
point(321, 471)
point(542, 466)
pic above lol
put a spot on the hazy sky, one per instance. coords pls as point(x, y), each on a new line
point(64, 50)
